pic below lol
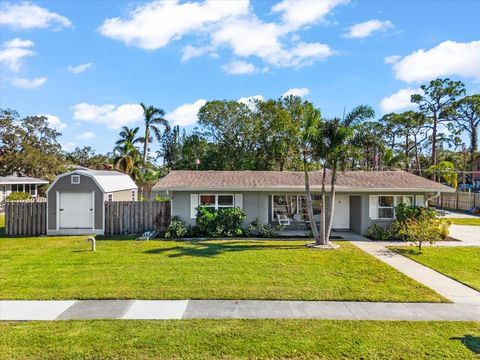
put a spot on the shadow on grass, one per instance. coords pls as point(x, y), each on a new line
point(407, 251)
point(471, 342)
point(203, 249)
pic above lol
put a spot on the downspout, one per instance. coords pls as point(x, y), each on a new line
point(433, 197)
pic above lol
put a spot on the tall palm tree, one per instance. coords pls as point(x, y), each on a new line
point(153, 118)
point(127, 156)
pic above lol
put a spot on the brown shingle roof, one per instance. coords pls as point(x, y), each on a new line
point(290, 180)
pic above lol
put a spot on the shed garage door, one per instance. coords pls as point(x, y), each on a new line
point(76, 210)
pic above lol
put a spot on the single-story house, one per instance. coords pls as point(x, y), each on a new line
point(76, 200)
point(9, 184)
point(362, 198)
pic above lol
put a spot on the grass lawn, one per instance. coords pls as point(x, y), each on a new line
point(64, 268)
point(2, 224)
point(239, 339)
point(460, 263)
point(465, 221)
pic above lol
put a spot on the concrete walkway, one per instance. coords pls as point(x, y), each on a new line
point(468, 235)
point(445, 286)
point(233, 309)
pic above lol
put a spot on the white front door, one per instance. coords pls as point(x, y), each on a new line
point(76, 210)
point(341, 212)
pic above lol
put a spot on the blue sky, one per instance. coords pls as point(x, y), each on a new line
point(87, 64)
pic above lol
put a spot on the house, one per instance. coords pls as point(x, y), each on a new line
point(476, 172)
point(76, 200)
point(361, 200)
point(9, 184)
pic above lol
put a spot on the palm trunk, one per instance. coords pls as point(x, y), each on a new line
point(308, 193)
point(323, 206)
point(417, 157)
point(145, 146)
point(332, 202)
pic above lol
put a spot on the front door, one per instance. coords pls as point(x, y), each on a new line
point(76, 210)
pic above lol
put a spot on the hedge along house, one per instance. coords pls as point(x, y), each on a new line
point(9, 184)
point(76, 200)
point(361, 199)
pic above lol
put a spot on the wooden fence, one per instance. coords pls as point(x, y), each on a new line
point(127, 217)
point(25, 218)
point(458, 200)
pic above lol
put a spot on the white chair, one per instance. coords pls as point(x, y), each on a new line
point(283, 219)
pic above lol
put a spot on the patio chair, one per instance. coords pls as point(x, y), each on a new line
point(283, 219)
point(299, 220)
point(148, 235)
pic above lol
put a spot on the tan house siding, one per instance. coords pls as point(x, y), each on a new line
point(124, 195)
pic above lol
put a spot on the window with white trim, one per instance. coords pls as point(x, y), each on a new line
point(109, 197)
point(75, 179)
point(216, 201)
point(387, 203)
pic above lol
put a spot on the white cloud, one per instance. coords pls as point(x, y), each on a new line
point(27, 15)
point(230, 24)
point(297, 92)
point(79, 68)
point(88, 135)
point(239, 68)
point(367, 28)
point(153, 25)
point(399, 100)
point(28, 83)
point(297, 13)
point(68, 146)
point(12, 53)
point(185, 114)
point(392, 59)
point(110, 115)
point(54, 121)
point(449, 58)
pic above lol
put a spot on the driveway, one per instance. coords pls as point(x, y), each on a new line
point(466, 233)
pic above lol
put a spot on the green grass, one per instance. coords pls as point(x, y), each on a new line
point(460, 263)
point(239, 339)
point(2, 224)
point(64, 268)
point(465, 221)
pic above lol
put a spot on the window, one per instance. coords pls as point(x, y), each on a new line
point(109, 197)
point(33, 190)
point(133, 195)
point(386, 207)
point(406, 200)
point(294, 206)
point(215, 202)
point(75, 179)
point(14, 188)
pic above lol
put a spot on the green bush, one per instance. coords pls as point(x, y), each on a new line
point(424, 229)
point(265, 230)
point(226, 222)
point(176, 228)
point(376, 232)
point(14, 196)
point(404, 212)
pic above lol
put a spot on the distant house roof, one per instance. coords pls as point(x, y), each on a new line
point(108, 181)
point(374, 181)
point(4, 180)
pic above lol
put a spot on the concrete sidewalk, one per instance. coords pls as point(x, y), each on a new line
point(233, 309)
point(445, 286)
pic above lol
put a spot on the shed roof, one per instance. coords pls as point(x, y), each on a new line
point(294, 181)
point(108, 181)
point(21, 180)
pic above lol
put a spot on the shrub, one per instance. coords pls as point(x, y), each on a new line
point(224, 222)
point(265, 230)
point(404, 212)
point(423, 229)
point(176, 229)
point(14, 196)
point(376, 232)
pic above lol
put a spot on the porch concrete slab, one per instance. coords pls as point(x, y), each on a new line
point(32, 310)
point(334, 310)
point(237, 309)
point(445, 286)
point(96, 309)
point(156, 309)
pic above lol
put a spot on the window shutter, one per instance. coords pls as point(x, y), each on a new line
point(239, 201)
point(373, 207)
point(193, 205)
point(419, 201)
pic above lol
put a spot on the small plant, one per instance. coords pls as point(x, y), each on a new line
point(176, 228)
point(15, 196)
point(265, 230)
point(376, 232)
point(424, 229)
point(226, 222)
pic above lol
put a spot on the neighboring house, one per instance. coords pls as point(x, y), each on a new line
point(9, 184)
point(361, 199)
point(476, 172)
point(76, 200)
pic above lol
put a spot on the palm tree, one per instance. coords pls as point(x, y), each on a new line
point(127, 156)
point(153, 117)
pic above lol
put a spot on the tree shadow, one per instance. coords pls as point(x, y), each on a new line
point(471, 342)
point(204, 249)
